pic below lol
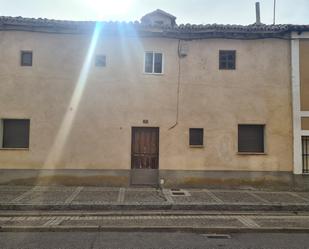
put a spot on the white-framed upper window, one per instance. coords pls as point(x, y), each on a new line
point(153, 63)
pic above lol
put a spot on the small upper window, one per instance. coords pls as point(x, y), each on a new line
point(251, 138)
point(196, 136)
point(227, 59)
point(26, 58)
point(14, 133)
point(153, 63)
point(100, 60)
point(159, 22)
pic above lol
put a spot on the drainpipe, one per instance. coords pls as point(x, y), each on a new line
point(178, 86)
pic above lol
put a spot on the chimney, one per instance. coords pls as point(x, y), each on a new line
point(257, 12)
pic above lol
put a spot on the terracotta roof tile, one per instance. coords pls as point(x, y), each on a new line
point(64, 26)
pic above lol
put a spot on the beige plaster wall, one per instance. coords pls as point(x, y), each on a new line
point(304, 123)
point(121, 96)
point(304, 74)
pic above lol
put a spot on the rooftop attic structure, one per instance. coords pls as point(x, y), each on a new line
point(159, 18)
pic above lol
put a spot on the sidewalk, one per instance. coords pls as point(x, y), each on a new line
point(103, 198)
point(51, 208)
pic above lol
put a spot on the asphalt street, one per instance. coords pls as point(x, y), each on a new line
point(143, 240)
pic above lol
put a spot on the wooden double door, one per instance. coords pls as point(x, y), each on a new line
point(145, 156)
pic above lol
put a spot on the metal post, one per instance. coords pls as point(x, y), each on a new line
point(257, 12)
point(274, 12)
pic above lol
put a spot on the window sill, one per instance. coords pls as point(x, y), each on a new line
point(196, 146)
point(25, 149)
point(157, 74)
point(251, 153)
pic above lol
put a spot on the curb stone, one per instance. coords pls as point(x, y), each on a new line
point(163, 207)
point(150, 229)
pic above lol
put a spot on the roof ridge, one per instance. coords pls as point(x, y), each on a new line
point(128, 22)
point(18, 22)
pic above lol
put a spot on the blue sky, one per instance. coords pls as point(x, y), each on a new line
point(186, 11)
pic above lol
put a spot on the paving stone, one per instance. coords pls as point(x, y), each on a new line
point(54, 188)
point(96, 197)
point(219, 222)
point(8, 196)
point(143, 189)
point(280, 198)
point(283, 222)
point(45, 197)
point(138, 196)
point(303, 194)
point(39, 222)
point(101, 189)
point(236, 197)
point(14, 188)
point(196, 197)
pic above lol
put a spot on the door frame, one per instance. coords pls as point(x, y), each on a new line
point(154, 171)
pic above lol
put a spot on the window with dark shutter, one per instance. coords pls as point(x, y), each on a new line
point(100, 60)
point(227, 59)
point(251, 138)
point(15, 133)
point(26, 58)
point(196, 136)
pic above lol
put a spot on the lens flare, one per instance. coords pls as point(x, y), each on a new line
point(59, 143)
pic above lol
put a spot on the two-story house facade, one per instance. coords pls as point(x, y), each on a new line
point(148, 103)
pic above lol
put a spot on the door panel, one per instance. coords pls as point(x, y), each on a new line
point(145, 156)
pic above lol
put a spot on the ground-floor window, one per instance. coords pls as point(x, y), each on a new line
point(14, 133)
point(196, 137)
point(251, 138)
point(305, 154)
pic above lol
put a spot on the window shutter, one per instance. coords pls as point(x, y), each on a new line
point(16, 133)
point(196, 136)
point(26, 58)
point(227, 59)
point(251, 138)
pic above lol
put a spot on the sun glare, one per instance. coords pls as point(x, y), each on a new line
point(59, 143)
point(109, 8)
